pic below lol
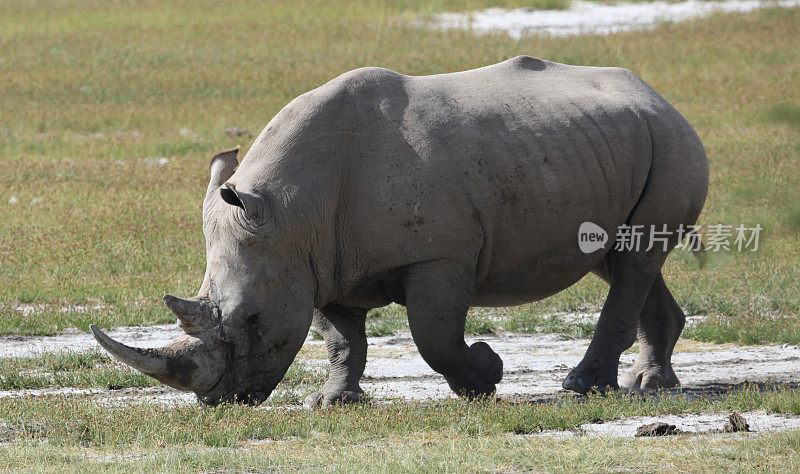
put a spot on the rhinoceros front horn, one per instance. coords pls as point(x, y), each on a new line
point(175, 364)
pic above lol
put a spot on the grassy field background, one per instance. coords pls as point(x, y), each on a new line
point(110, 111)
point(97, 95)
point(433, 453)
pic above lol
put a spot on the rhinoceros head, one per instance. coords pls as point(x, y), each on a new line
point(253, 310)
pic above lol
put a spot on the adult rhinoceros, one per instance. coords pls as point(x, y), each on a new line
point(438, 193)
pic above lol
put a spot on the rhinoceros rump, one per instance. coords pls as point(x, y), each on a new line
point(437, 193)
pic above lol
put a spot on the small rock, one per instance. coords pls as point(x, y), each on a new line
point(13, 200)
point(238, 132)
point(657, 429)
point(736, 423)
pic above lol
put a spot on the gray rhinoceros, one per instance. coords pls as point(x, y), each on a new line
point(437, 193)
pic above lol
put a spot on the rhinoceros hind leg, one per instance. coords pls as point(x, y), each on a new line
point(673, 196)
point(631, 275)
point(438, 294)
point(343, 330)
point(660, 325)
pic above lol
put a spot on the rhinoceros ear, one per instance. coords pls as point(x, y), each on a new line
point(254, 206)
point(229, 195)
point(222, 167)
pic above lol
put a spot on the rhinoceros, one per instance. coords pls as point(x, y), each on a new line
point(437, 193)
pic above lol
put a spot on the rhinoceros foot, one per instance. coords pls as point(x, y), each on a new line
point(587, 378)
point(486, 371)
point(326, 399)
point(647, 379)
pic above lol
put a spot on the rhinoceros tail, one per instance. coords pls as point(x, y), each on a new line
point(698, 250)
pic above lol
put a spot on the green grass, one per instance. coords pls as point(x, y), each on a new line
point(93, 92)
point(69, 369)
point(49, 319)
point(767, 453)
point(300, 380)
point(746, 330)
point(788, 114)
point(73, 421)
point(388, 320)
point(94, 369)
point(73, 433)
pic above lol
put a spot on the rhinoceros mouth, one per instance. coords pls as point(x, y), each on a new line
point(234, 397)
point(239, 393)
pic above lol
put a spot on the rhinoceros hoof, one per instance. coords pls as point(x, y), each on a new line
point(326, 400)
point(583, 381)
point(474, 390)
point(645, 380)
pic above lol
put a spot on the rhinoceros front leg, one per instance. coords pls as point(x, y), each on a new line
point(632, 275)
point(437, 297)
point(343, 330)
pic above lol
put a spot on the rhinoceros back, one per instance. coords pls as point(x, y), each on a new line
point(495, 167)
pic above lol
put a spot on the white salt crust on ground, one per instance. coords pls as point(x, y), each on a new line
point(594, 17)
point(534, 364)
point(691, 424)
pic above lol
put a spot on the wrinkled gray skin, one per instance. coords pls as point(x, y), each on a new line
point(437, 193)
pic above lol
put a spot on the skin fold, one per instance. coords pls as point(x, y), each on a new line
point(438, 193)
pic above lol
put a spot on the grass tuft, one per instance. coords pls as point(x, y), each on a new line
point(788, 114)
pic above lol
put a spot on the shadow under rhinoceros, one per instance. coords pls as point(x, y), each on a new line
point(709, 391)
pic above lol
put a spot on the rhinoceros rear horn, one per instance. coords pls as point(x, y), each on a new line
point(175, 364)
point(195, 315)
